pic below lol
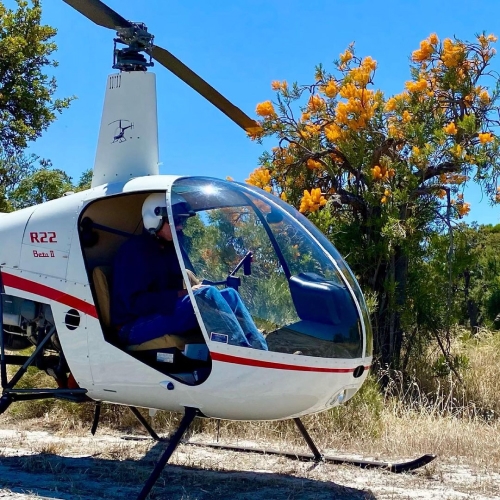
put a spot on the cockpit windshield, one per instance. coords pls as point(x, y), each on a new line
point(301, 296)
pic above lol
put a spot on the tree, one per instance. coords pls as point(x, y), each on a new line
point(42, 185)
point(84, 181)
point(12, 170)
point(27, 106)
point(380, 176)
point(23, 182)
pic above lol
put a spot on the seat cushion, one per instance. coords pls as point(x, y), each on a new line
point(169, 340)
point(100, 277)
point(159, 343)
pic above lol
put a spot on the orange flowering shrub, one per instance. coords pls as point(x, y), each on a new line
point(342, 136)
point(381, 175)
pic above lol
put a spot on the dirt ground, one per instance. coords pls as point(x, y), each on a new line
point(47, 465)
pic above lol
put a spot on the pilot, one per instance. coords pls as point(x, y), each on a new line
point(148, 299)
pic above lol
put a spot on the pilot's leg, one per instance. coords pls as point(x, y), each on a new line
point(253, 335)
point(157, 325)
point(218, 317)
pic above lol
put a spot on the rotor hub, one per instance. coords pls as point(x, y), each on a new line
point(138, 40)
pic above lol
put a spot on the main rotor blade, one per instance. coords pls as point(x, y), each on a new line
point(188, 76)
point(100, 13)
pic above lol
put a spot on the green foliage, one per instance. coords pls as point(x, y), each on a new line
point(84, 181)
point(27, 105)
point(443, 366)
point(12, 170)
point(24, 183)
point(218, 239)
point(43, 185)
point(29, 409)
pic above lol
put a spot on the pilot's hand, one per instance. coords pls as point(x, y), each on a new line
point(197, 287)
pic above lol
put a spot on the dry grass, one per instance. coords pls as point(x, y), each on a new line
point(473, 393)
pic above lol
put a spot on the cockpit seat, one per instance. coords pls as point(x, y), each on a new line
point(101, 276)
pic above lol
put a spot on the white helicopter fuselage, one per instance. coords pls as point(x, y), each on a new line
point(41, 260)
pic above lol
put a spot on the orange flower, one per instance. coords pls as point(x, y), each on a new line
point(313, 164)
point(450, 128)
point(418, 86)
point(424, 53)
point(312, 201)
point(316, 103)
point(433, 38)
point(377, 172)
point(390, 105)
point(261, 178)
point(485, 138)
point(265, 109)
point(333, 132)
point(452, 53)
point(484, 97)
point(277, 85)
point(369, 63)
point(331, 89)
point(345, 57)
point(255, 133)
point(463, 208)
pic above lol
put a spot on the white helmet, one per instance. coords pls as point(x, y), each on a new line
point(154, 210)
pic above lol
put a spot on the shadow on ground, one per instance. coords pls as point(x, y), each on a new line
point(55, 477)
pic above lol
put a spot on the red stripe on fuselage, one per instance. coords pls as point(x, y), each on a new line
point(49, 293)
point(226, 358)
point(76, 303)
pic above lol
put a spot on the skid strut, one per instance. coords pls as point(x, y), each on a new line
point(174, 440)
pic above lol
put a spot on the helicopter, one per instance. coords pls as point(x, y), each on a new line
point(56, 265)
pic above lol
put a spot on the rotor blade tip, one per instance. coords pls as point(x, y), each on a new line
point(254, 130)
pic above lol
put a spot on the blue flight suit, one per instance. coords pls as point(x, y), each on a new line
point(145, 303)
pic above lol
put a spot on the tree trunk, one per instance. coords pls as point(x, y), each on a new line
point(388, 332)
point(472, 309)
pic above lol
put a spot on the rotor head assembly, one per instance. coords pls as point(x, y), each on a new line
point(139, 40)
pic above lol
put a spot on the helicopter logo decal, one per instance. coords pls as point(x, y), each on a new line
point(123, 125)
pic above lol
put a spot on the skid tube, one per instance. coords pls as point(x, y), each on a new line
point(316, 456)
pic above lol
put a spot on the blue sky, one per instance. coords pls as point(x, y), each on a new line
point(239, 47)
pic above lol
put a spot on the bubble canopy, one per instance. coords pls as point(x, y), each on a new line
point(300, 293)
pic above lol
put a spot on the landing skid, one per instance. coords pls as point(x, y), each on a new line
point(315, 456)
point(396, 467)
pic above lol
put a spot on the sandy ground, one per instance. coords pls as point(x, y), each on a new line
point(43, 465)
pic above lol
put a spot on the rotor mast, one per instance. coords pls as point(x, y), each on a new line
point(128, 138)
